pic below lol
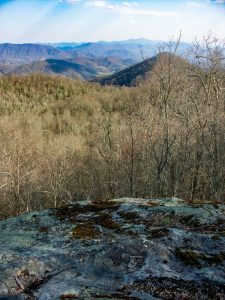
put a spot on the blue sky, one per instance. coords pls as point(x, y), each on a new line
point(93, 20)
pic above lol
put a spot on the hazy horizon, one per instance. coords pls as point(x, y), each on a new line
point(56, 21)
point(84, 42)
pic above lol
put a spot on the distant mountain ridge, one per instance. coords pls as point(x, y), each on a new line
point(54, 67)
point(19, 53)
point(80, 67)
point(131, 49)
point(76, 60)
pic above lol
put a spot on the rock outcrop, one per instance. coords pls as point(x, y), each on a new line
point(119, 249)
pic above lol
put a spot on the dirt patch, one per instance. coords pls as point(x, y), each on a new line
point(114, 296)
point(173, 289)
point(43, 230)
point(86, 232)
point(159, 233)
point(196, 258)
point(129, 216)
point(200, 203)
point(216, 228)
point(70, 212)
point(171, 219)
point(68, 297)
point(105, 220)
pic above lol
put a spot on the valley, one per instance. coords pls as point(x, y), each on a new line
point(84, 61)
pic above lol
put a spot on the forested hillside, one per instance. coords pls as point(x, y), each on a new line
point(64, 140)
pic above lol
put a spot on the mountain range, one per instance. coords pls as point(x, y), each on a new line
point(21, 53)
point(84, 61)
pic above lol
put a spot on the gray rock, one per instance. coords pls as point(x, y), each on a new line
point(119, 249)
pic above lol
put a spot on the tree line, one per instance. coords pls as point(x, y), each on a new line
point(64, 140)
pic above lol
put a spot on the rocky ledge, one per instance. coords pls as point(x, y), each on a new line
point(118, 249)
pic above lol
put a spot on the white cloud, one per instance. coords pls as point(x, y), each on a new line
point(100, 3)
point(70, 1)
point(133, 21)
point(130, 4)
point(194, 4)
point(129, 9)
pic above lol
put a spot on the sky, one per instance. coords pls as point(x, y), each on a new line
point(48, 21)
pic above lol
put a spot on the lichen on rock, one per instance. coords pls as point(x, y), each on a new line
point(120, 249)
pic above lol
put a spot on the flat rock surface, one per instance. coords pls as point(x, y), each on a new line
point(118, 249)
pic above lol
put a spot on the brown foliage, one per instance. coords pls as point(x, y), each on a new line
point(64, 140)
